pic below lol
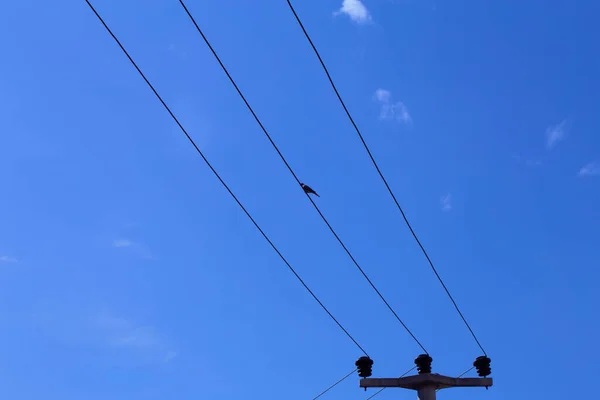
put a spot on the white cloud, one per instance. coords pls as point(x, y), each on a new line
point(391, 111)
point(7, 259)
point(138, 248)
point(129, 335)
point(356, 10)
point(591, 169)
point(555, 134)
point(170, 355)
point(123, 340)
point(122, 243)
point(382, 95)
point(140, 336)
point(122, 332)
point(533, 163)
point(396, 111)
point(526, 161)
point(446, 202)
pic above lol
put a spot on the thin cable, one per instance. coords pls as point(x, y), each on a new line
point(461, 375)
point(406, 373)
point(466, 372)
point(382, 389)
point(221, 180)
point(381, 174)
point(335, 384)
point(295, 176)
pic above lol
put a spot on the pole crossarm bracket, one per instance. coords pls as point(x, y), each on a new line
point(416, 382)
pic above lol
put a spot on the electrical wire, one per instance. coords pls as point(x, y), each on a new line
point(406, 373)
point(295, 176)
point(382, 389)
point(381, 174)
point(221, 179)
point(466, 372)
point(335, 384)
point(461, 375)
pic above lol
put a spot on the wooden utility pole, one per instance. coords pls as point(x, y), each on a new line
point(425, 383)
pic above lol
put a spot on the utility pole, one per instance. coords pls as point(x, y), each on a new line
point(425, 383)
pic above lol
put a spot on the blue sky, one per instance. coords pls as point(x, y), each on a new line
point(128, 272)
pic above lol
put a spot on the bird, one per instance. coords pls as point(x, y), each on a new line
point(308, 190)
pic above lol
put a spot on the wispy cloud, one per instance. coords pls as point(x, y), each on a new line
point(123, 332)
point(396, 111)
point(123, 340)
point(8, 259)
point(555, 134)
point(127, 334)
point(446, 202)
point(390, 110)
point(122, 243)
point(172, 48)
point(137, 247)
point(383, 96)
point(140, 336)
point(526, 161)
point(533, 163)
point(356, 10)
point(591, 169)
point(170, 355)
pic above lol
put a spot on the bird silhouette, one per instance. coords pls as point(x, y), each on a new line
point(308, 190)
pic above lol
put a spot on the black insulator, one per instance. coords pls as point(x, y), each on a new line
point(423, 364)
point(365, 366)
point(482, 364)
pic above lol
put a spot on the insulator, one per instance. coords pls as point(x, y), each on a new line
point(364, 365)
point(423, 364)
point(482, 364)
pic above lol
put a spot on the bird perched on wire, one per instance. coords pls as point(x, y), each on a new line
point(308, 190)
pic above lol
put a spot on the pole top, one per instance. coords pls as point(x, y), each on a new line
point(416, 382)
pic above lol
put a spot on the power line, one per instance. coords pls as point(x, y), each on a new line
point(466, 372)
point(221, 180)
point(335, 384)
point(461, 375)
point(381, 175)
point(382, 389)
point(406, 373)
point(296, 177)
